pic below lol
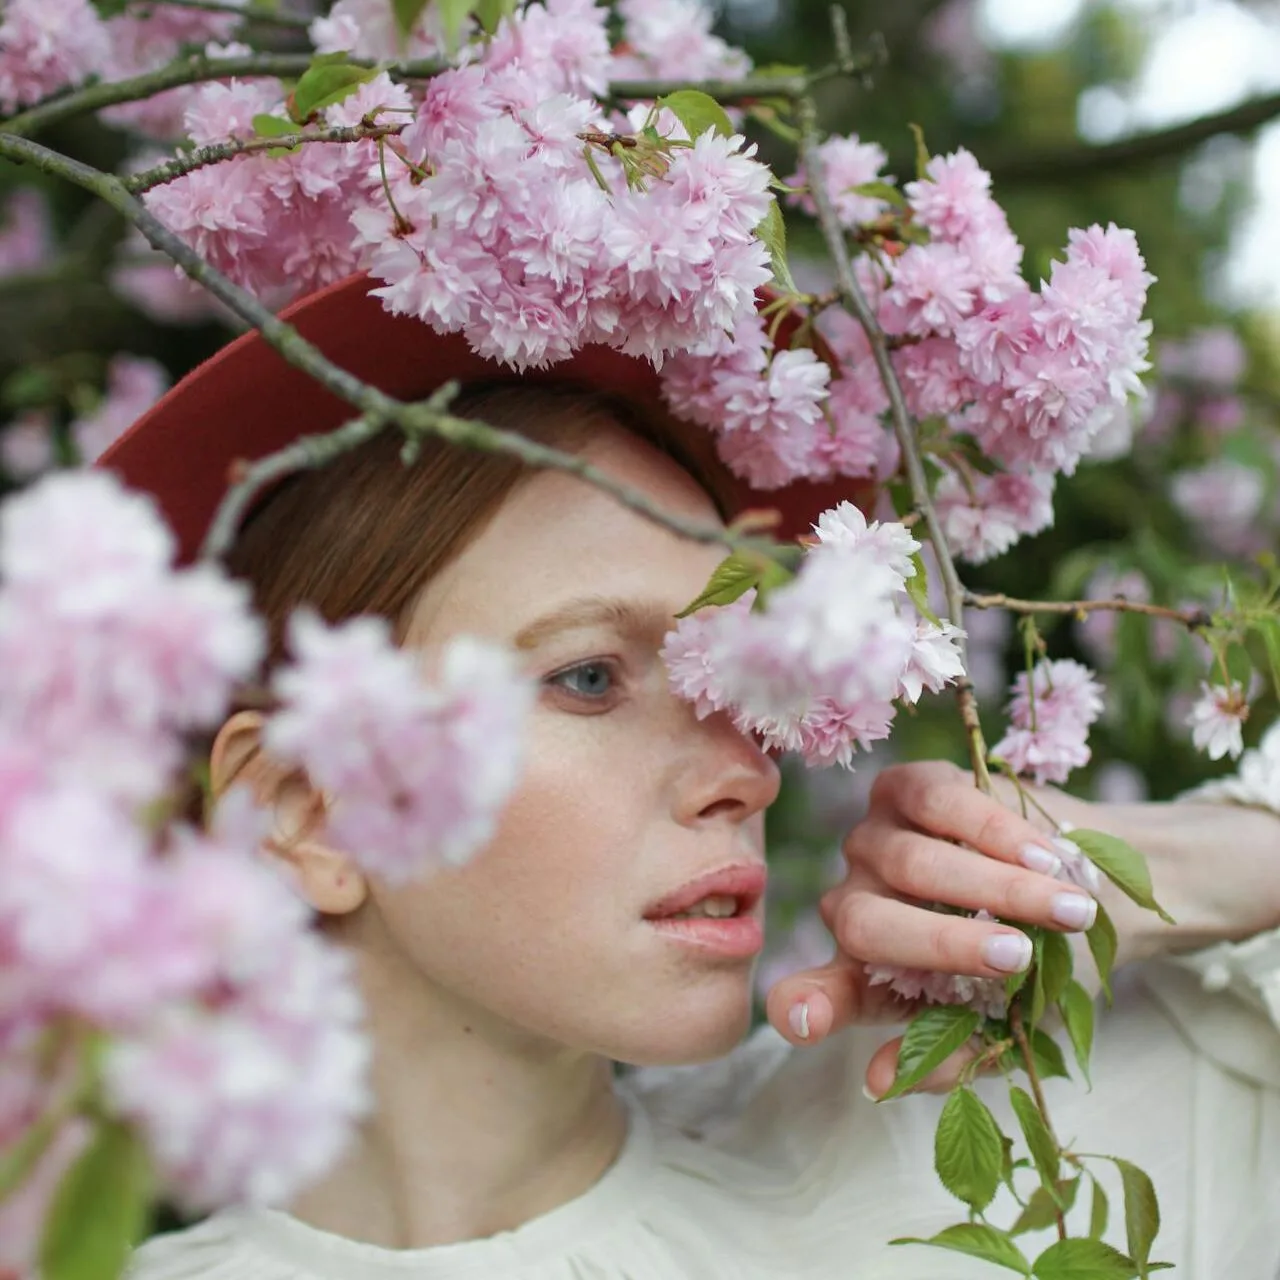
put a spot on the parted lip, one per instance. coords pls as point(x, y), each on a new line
point(743, 880)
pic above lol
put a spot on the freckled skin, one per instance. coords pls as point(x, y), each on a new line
point(622, 800)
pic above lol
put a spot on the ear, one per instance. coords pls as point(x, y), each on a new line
point(326, 876)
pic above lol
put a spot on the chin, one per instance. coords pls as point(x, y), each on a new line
point(692, 1027)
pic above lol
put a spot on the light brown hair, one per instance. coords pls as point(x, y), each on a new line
point(366, 533)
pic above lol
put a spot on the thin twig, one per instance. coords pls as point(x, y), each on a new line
point(1193, 619)
point(194, 70)
point(1037, 1091)
point(376, 409)
point(248, 13)
point(198, 158)
point(856, 303)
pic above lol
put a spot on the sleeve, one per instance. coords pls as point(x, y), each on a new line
point(1242, 1033)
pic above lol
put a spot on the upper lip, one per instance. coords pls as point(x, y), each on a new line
point(743, 880)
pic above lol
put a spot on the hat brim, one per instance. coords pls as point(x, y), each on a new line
point(246, 402)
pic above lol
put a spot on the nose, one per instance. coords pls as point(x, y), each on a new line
point(723, 776)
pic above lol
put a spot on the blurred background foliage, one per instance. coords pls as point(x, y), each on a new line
point(1049, 94)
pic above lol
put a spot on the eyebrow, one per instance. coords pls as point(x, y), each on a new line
point(625, 616)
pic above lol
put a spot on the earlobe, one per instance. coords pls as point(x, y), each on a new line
point(325, 877)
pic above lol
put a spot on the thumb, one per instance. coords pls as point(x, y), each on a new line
point(808, 1006)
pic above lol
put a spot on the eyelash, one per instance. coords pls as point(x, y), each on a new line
point(585, 702)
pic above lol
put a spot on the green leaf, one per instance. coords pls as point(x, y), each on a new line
point(918, 589)
point(1076, 1007)
point(490, 13)
point(733, 577)
point(979, 1241)
point(1098, 1211)
point(1141, 1212)
point(1103, 943)
point(772, 233)
point(99, 1211)
point(967, 1149)
point(885, 191)
point(453, 18)
point(1047, 1055)
point(922, 150)
point(698, 112)
point(932, 1036)
point(1078, 1259)
point(1043, 1208)
point(1268, 628)
point(329, 79)
point(1123, 865)
point(1055, 966)
point(1044, 1151)
point(407, 13)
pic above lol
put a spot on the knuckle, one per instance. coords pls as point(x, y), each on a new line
point(917, 869)
point(946, 942)
point(997, 829)
point(855, 927)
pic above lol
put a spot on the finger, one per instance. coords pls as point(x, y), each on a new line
point(883, 931)
point(883, 1067)
point(942, 800)
point(930, 870)
point(807, 1007)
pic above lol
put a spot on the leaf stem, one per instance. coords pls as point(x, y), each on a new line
point(1037, 1092)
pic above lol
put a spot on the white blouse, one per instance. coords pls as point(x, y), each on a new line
point(771, 1164)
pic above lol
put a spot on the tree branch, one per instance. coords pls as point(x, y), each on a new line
point(194, 70)
point(856, 303)
point(376, 408)
point(1069, 164)
point(145, 180)
point(1192, 619)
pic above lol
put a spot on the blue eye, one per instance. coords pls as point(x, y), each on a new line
point(592, 681)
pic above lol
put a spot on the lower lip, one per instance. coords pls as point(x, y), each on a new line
point(739, 937)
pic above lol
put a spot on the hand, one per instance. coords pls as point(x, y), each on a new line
point(906, 851)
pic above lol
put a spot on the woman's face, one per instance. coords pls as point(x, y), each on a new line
point(626, 798)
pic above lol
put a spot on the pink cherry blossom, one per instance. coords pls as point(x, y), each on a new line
point(47, 45)
point(133, 386)
point(26, 236)
point(672, 39)
point(1217, 718)
point(986, 995)
point(847, 163)
point(368, 29)
point(984, 516)
point(1050, 713)
point(417, 769)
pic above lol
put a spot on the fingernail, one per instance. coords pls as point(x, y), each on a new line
point(1073, 910)
point(1037, 858)
point(870, 1097)
point(798, 1019)
point(1008, 952)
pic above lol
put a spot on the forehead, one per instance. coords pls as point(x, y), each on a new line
point(556, 538)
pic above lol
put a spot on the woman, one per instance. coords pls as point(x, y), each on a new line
point(500, 995)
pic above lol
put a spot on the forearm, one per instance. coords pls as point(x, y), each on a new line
point(1215, 869)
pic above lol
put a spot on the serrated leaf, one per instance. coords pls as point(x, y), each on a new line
point(885, 191)
point(325, 82)
point(918, 590)
point(979, 1241)
point(698, 112)
point(1076, 1007)
point(732, 578)
point(1098, 1211)
point(1141, 1212)
point(931, 1037)
point(1123, 865)
point(1053, 972)
point(1103, 943)
point(1046, 1054)
point(967, 1149)
point(1042, 1208)
point(1044, 1151)
point(1083, 1259)
point(772, 233)
point(99, 1210)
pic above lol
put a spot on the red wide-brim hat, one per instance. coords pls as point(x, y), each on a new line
point(246, 402)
